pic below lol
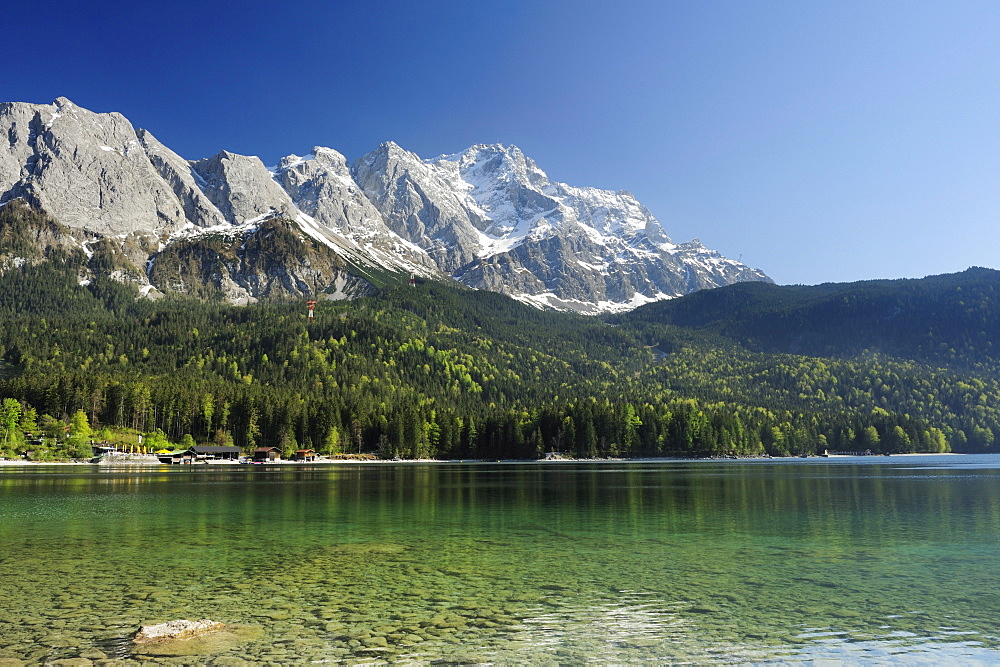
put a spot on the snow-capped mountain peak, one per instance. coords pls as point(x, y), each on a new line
point(488, 216)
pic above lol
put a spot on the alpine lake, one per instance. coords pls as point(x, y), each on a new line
point(864, 560)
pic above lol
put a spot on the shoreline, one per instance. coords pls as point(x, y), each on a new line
point(149, 464)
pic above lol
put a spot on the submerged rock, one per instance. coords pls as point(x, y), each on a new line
point(180, 629)
point(183, 638)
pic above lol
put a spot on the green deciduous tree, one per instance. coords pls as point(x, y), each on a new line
point(10, 419)
point(78, 441)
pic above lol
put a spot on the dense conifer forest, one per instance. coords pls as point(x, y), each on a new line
point(949, 320)
point(440, 371)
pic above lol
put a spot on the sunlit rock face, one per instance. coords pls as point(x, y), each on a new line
point(510, 229)
point(488, 217)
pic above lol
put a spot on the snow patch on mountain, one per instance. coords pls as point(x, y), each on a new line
point(589, 249)
point(488, 216)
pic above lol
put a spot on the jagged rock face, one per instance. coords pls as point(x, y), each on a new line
point(320, 184)
point(421, 204)
point(492, 218)
point(20, 122)
point(120, 195)
point(506, 186)
point(241, 187)
point(584, 249)
point(87, 170)
point(488, 217)
point(185, 182)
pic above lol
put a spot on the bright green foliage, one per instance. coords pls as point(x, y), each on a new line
point(440, 371)
point(10, 419)
point(78, 441)
point(155, 441)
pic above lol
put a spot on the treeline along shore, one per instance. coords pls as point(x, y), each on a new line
point(435, 371)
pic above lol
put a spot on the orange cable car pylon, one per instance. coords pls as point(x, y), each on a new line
point(312, 309)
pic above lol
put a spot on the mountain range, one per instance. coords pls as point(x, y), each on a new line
point(229, 227)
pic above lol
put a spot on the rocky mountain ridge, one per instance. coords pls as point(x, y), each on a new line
point(488, 217)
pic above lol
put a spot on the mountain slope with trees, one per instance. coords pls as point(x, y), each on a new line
point(951, 320)
point(442, 371)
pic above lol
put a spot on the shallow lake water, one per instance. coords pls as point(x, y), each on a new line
point(868, 559)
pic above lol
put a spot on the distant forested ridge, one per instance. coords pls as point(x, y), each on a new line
point(447, 372)
point(949, 320)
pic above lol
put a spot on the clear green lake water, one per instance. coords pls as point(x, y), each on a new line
point(891, 560)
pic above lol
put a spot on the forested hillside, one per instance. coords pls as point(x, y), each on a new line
point(442, 371)
point(950, 320)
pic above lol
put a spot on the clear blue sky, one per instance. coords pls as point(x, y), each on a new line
point(822, 141)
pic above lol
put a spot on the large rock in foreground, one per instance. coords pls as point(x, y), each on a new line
point(180, 629)
point(192, 638)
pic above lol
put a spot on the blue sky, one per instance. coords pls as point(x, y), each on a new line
point(820, 141)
